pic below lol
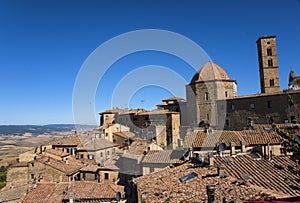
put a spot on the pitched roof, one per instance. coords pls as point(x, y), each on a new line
point(163, 156)
point(259, 135)
point(65, 141)
point(277, 175)
point(95, 144)
point(124, 134)
point(10, 195)
point(56, 152)
point(82, 190)
point(209, 140)
point(164, 186)
point(72, 166)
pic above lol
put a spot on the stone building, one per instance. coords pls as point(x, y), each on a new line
point(268, 64)
point(212, 96)
point(209, 84)
point(294, 81)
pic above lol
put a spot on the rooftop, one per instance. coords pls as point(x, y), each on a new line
point(164, 186)
point(59, 192)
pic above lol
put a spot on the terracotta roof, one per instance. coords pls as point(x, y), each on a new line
point(72, 166)
point(56, 152)
point(164, 156)
point(82, 190)
point(90, 168)
point(173, 99)
point(124, 134)
point(138, 146)
point(209, 140)
point(210, 71)
point(65, 141)
point(277, 175)
point(20, 164)
point(164, 186)
point(12, 195)
point(95, 144)
point(261, 135)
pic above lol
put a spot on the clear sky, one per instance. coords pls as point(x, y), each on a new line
point(43, 45)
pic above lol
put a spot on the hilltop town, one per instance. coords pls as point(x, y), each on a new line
point(213, 146)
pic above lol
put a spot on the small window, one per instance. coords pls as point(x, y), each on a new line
point(106, 134)
point(268, 42)
point(269, 104)
point(101, 154)
point(32, 176)
point(226, 94)
point(206, 96)
point(252, 106)
point(272, 83)
point(207, 117)
point(232, 107)
point(269, 51)
point(270, 63)
point(81, 156)
point(96, 177)
point(227, 122)
point(106, 176)
point(91, 156)
point(107, 152)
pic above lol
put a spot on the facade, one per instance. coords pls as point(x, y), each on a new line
point(212, 96)
point(209, 84)
point(268, 64)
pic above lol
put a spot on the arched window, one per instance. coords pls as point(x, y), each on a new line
point(269, 51)
point(206, 96)
point(272, 83)
point(270, 62)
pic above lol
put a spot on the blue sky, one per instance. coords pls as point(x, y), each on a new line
point(43, 45)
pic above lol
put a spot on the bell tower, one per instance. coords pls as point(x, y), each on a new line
point(268, 64)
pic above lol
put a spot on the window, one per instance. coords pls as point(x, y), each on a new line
point(32, 176)
point(232, 107)
point(206, 96)
point(268, 42)
point(106, 176)
point(101, 154)
point(226, 94)
point(227, 122)
point(106, 134)
point(269, 104)
point(107, 152)
point(91, 156)
point(269, 51)
point(252, 106)
point(207, 116)
point(96, 177)
point(81, 156)
point(270, 62)
point(272, 83)
point(32, 164)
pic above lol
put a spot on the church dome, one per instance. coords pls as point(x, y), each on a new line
point(210, 71)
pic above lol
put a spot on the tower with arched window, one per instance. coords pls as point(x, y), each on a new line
point(268, 64)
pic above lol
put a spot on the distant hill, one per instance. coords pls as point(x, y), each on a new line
point(40, 129)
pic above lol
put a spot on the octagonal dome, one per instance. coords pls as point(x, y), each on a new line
point(210, 71)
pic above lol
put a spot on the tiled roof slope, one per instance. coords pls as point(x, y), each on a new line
point(95, 144)
point(56, 152)
point(83, 190)
point(164, 186)
point(66, 141)
point(163, 156)
point(276, 174)
point(259, 135)
point(10, 195)
point(72, 166)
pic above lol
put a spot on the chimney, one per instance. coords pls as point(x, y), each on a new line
point(232, 148)
point(221, 172)
point(243, 146)
point(210, 189)
point(210, 159)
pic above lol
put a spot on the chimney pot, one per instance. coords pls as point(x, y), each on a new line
point(210, 193)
